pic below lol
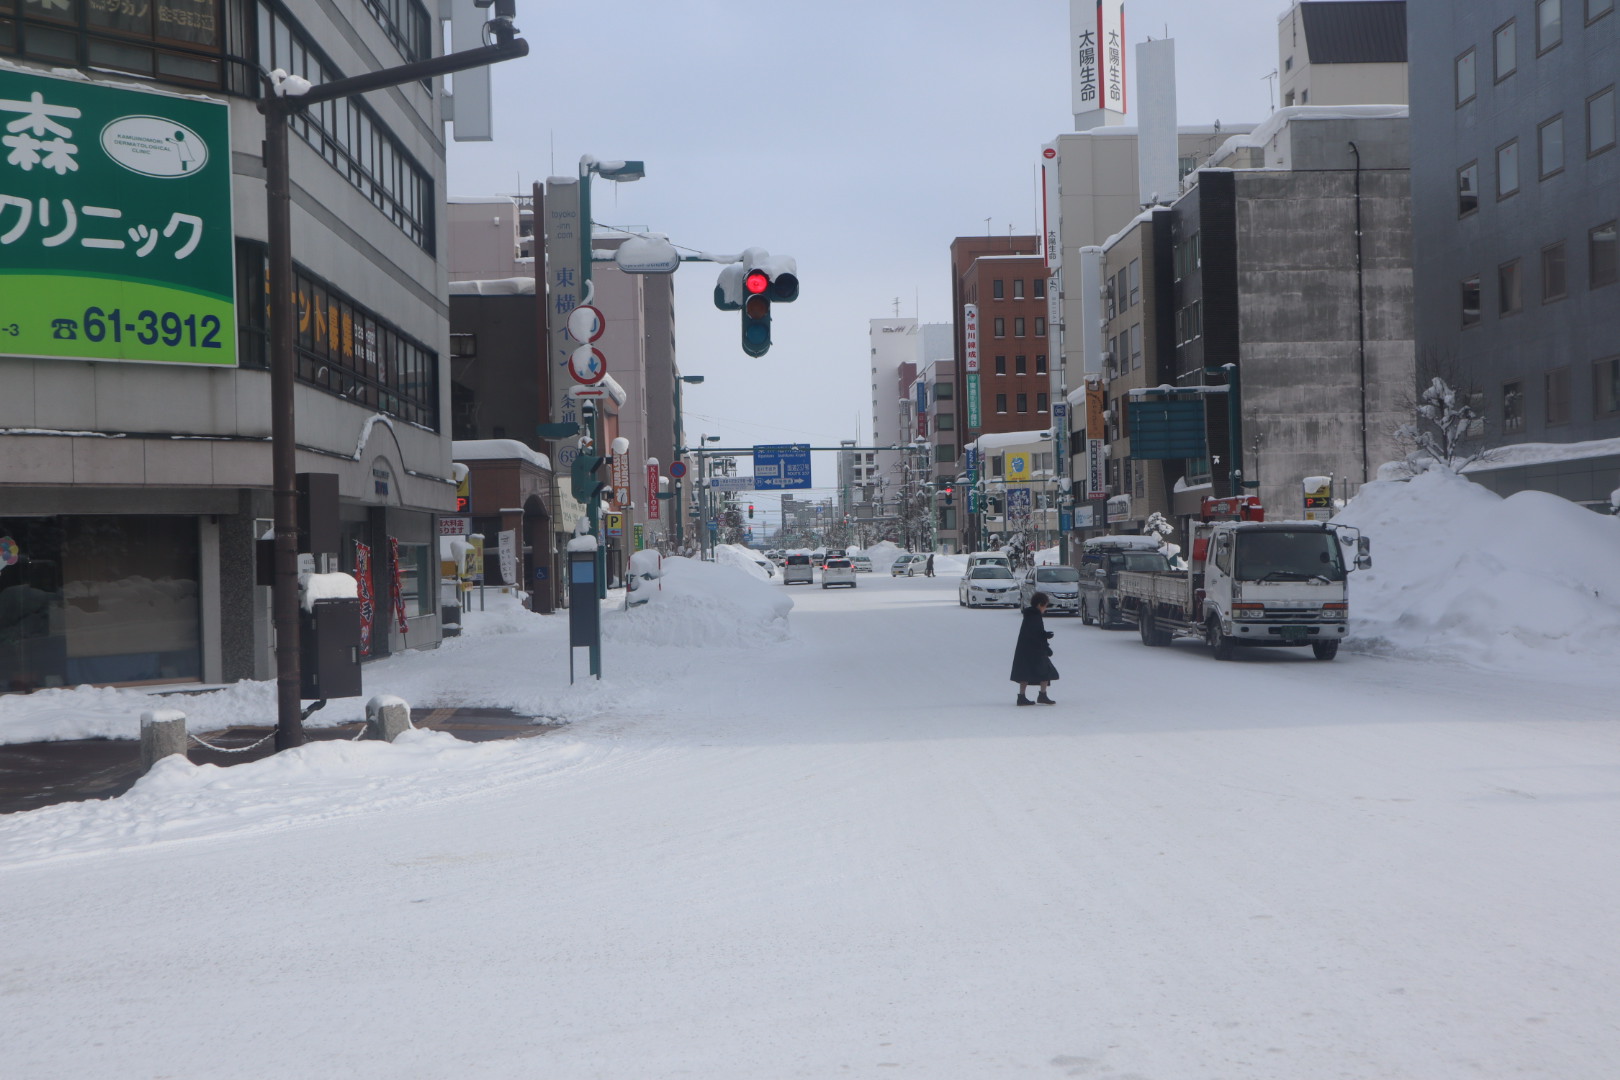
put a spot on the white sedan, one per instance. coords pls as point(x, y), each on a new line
point(988, 586)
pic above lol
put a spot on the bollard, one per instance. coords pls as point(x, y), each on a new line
point(387, 717)
point(163, 732)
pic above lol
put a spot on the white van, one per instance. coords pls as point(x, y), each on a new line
point(797, 570)
point(988, 558)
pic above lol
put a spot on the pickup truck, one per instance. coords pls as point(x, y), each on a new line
point(1251, 583)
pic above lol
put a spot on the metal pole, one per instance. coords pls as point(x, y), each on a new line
point(283, 442)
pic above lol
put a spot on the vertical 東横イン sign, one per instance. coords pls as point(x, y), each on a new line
point(116, 235)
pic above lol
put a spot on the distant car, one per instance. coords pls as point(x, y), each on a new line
point(837, 571)
point(905, 565)
point(862, 563)
point(1061, 584)
point(988, 586)
point(797, 570)
point(767, 566)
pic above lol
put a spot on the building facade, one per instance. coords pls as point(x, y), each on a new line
point(132, 494)
point(1342, 52)
point(1515, 197)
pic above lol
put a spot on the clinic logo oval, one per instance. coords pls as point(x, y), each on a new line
point(154, 146)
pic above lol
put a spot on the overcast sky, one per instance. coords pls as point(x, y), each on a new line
point(858, 137)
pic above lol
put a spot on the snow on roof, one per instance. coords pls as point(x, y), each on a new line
point(1004, 439)
point(508, 286)
point(1274, 123)
point(497, 450)
point(1145, 215)
point(1508, 457)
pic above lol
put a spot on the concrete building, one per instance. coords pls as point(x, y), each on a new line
point(1342, 52)
point(1291, 261)
point(132, 493)
point(998, 286)
point(893, 342)
point(1515, 196)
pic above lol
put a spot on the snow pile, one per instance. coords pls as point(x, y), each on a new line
point(1048, 557)
point(950, 565)
point(883, 553)
point(1461, 573)
point(742, 558)
point(704, 604)
point(104, 712)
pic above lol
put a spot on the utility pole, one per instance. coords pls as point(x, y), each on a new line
point(284, 98)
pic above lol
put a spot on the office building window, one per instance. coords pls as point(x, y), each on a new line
point(1136, 281)
point(340, 347)
point(1600, 122)
point(1001, 365)
point(1470, 301)
point(1507, 49)
point(1512, 407)
point(1040, 288)
point(1040, 402)
point(1602, 266)
point(996, 289)
point(1553, 284)
point(350, 136)
point(1557, 382)
point(944, 391)
point(1001, 328)
point(1507, 169)
point(1001, 407)
point(1040, 363)
point(1550, 146)
point(1606, 387)
point(1040, 326)
point(1509, 291)
point(1023, 403)
point(1018, 288)
point(1465, 78)
point(1596, 9)
point(1549, 24)
point(1136, 346)
point(1018, 327)
point(1020, 365)
point(944, 422)
point(1122, 288)
point(1468, 189)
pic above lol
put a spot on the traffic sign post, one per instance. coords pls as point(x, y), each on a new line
point(781, 468)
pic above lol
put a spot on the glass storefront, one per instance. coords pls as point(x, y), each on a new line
point(98, 599)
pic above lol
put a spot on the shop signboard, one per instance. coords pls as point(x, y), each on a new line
point(116, 235)
point(455, 526)
point(973, 418)
point(1096, 486)
point(970, 337)
point(1018, 507)
point(621, 479)
point(654, 504)
point(1018, 465)
point(507, 551)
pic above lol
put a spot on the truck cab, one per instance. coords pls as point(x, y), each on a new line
point(1101, 560)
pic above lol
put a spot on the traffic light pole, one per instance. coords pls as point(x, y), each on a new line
point(281, 101)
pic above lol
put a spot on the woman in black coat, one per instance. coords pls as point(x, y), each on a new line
point(1032, 657)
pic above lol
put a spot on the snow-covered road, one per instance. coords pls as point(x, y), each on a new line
point(850, 855)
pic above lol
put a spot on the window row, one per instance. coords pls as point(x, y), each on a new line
point(998, 289)
point(1190, 323)
point(1549, 34)
point(1188, 257)
point(1556, 405)
point(1602, 268)
point(1600, 137)
point(1124, 352)
point(1021, 365)
point(999, 326)
point(1022, 401)
point(407, 25)
point(351, 137)
point(1124, 290)
point(342, 347)
point(189, 42)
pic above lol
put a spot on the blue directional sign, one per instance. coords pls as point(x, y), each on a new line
point(781, 468)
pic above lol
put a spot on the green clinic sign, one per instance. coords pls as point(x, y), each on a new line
point(116, 238)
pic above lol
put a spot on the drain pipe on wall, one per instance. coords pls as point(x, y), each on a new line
point(1361, 321)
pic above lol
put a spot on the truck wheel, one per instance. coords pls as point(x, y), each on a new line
point(1325, 650)
point(1144, 626)
point(1085, 615)
point(1218, 642)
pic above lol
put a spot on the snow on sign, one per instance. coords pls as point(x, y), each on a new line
point(115, 224)
point(781, 468)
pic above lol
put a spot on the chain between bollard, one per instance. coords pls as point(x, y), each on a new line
point(231, 749)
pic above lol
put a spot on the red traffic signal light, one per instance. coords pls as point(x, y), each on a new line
point(750, 509)
point(756, 282)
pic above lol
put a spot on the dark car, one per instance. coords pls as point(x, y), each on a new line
point(1101, 560)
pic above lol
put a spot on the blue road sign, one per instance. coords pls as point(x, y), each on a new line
point(781, 468)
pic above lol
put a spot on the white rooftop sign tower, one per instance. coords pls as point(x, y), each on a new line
point(1097, 62)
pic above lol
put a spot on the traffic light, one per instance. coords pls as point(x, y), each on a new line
point(750, 511)
point(950, 492)
point(751, 286)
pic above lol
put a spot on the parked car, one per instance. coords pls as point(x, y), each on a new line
point(797, 570)
point(862, 563)
point(837, 571)
point(1060, 583)
point(1101, 560)
point(767, 566)
point(905, 564)
point(988, 586)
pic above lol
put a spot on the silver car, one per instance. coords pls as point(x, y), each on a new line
point(1060, 583)
point(988, 586)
